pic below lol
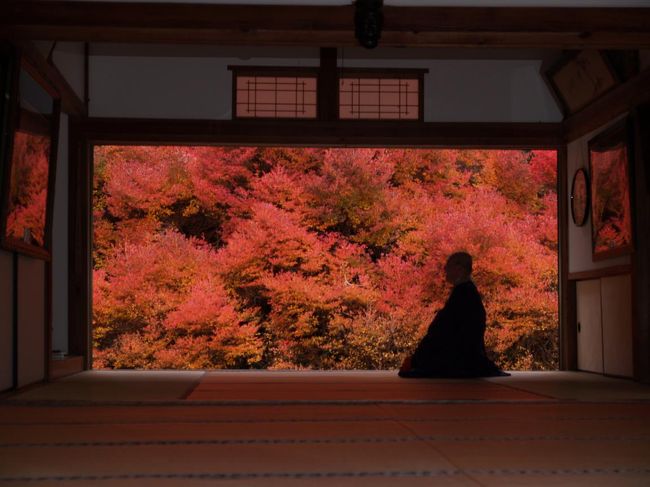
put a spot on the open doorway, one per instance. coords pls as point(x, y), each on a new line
point(316, 258)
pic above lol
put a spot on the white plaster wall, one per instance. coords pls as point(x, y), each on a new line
point(468, 90)
point(60, 244)
point(31, 320)
point(69, 59)
point(478, 90)
point(6, 321)
point(580, 237)
point(168, 87)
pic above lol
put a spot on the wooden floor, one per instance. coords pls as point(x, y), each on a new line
point(325, 428)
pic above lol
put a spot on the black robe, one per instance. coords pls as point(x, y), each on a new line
point(454, 344)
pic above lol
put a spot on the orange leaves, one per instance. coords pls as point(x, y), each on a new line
point(26, 202)
point(543, 168)
point(349, 197)
point(206, 308)
point(211, 257)
point(280, 188)
point(143, 180)
point(216, 174)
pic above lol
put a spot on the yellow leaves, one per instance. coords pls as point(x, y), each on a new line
point(192, 208)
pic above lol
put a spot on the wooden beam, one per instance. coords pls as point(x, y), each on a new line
point(323, 133)
point(70, 101)
point(616, 102)
point(566, 28)
point(616, 270)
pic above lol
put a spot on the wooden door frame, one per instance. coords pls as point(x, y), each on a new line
point(85, 133)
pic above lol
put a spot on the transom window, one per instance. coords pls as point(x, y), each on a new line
point(275, 95)
point(379, 98)
point(362, 94)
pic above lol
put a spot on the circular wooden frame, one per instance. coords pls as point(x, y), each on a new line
point(580, 197)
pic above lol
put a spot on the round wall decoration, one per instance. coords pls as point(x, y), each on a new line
point(580, 197)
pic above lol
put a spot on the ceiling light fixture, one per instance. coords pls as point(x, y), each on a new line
point(368, 22)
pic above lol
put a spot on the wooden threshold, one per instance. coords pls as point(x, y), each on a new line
point(66, 366)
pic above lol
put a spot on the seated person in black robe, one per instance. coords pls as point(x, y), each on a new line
point(454, 343)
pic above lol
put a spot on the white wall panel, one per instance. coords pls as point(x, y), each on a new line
point(467, 90)
point(488, 91)
point(167, 87)
point(618, 353)
point(139, 87)
point(60, 245)
point(478, 90)
point(31, 320)
point(69, 59)
point(590, 336)
point(6, 321)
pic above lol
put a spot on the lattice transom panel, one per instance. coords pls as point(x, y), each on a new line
point(275, 97)
point(379, 98)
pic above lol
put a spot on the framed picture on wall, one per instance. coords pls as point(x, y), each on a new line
point(28, 179)
point(611, 215)
point(578, 78)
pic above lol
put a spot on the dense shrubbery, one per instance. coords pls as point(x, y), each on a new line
point(27, 199)
point(315, 258)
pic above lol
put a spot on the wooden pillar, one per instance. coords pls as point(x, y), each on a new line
point(567, 289)
point(641, 257)
point(328, 89)
point(79, 285)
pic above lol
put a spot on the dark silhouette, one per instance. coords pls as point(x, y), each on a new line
point(454, 343)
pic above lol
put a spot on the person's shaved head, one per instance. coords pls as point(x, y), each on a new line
point(461, 259)
point(459, 267)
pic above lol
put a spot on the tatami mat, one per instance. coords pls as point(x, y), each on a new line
point(325, 429)
point(117, 385)
point(575, 385)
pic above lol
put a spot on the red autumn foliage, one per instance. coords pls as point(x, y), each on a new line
point(209, 257)
point(611, 216)
point(28, 187)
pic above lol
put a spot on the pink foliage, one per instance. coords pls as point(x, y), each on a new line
point(28, 187)
point(612, 224)
point(316, 258)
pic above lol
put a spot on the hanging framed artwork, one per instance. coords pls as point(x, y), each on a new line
point(611, 215)
point(578, 78)
point(28, 178)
